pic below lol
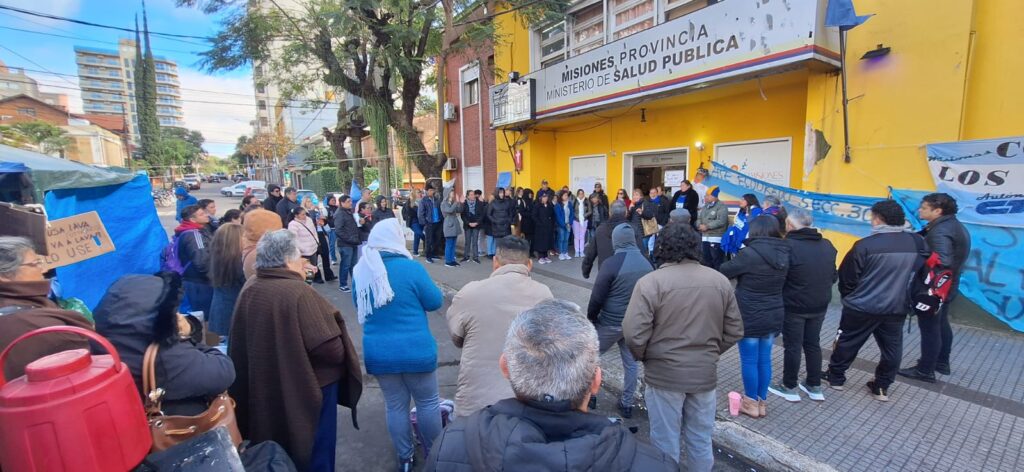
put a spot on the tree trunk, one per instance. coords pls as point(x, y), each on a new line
point(428, 164)
point(358, 163)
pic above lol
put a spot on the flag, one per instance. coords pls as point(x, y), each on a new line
point(841, 13)
point(355, 193)
point(373, 186)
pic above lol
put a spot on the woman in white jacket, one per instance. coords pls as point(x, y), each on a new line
point(305, 233)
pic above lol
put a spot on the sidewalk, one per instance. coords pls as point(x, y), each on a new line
point(970, 420)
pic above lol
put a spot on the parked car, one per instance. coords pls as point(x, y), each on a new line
point(193, 181)
point(213, 178)
point(242, 189)
point(237, 178)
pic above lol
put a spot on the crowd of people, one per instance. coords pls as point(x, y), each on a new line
point(529, 370)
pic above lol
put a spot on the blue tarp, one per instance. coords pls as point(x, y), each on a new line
point(128, 213)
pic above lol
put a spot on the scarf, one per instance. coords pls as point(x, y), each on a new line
point(887, 229)
point(188, 226)
point(371, 277)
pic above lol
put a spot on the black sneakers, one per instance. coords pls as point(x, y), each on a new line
point(942, 369)
point(914, 373)
point(879, 393)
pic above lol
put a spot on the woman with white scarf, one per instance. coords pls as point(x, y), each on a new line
point(393, 294)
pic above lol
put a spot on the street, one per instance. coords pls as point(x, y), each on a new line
point(369, 449)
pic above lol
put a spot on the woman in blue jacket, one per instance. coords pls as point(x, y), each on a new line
point(732, 240)
point(393, 294)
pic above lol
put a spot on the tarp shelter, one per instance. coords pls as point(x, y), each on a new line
point(51, 173)
point(125, 206)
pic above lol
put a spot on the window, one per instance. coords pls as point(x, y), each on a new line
point(587, 28)
point(552, 44)
point(262, 104)
point(261, 89)
point(27, 111)
point(630, 16)
point(676, 8)
point(470, 85)
point(264, 122)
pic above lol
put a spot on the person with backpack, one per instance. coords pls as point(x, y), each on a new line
point(191, 257)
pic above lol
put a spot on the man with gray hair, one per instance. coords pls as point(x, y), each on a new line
point(773, 206)
point(679, 216)
point(807, 293)
point(600, 247)
point(25, 306)
point(551, 361)
point(479, 317)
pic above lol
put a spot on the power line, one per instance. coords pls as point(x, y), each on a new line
point(194, 51)
point(97, 25)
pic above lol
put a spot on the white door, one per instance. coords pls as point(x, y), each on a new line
point(768, 160)
point(474, 178)
point(584, 172)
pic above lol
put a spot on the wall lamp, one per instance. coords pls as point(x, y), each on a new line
point(699, 145)
point(879, 51)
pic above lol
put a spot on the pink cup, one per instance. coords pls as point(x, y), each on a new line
point(734, 403)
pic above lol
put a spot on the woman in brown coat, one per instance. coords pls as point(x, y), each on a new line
point(294, 360)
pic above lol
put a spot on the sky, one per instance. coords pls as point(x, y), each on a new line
point(221, 123)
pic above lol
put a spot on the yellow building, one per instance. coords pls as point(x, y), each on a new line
point(94, 145)
point(627, 90)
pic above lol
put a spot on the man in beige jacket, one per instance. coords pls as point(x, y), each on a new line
point(478, 321)
point(680, 319)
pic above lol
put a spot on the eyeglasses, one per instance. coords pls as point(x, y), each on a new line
point(38, 263)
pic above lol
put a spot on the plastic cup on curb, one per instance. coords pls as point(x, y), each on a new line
point(734, 403)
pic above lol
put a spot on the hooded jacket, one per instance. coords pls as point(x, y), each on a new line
point(600, 247)
point(270, 204)
point(500, 213)
point(184, 199)
point(257, 223)
point(552, 436)
point(812, 271)
point(616, 278)
point(31, 309)
point(760, 270)
point(141, 309)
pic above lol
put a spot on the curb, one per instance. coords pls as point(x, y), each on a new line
point(751, 446)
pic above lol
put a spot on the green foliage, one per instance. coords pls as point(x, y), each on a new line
point(193, 137)
point(47, 138)
point(145, 97)
point(322, 157)
point(324, 180)
point(425, 105)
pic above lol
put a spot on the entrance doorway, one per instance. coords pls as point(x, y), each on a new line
point(665, 168)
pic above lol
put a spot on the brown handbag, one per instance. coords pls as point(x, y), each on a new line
point(169, 431)
point(650, 226)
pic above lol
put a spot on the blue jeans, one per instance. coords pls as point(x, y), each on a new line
point(490, 246)
point(325, 441)
point(449, 249)
point(756, 366)
point(330, 245)
point(348, 261)
point(421, 388)
point(562, 243)
point(417, 236)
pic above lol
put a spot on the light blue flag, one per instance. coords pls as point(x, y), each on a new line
point(373, 186)
point(842, 14)
point(355, 193)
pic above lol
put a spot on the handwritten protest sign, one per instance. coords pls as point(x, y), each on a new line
point(76, 238)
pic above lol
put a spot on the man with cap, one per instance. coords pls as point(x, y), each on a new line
point(712, 221)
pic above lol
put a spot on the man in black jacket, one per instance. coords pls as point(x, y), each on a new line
point(273, 198)
point(875, 281)
point(287, 204)
point(949, 239)
point(600, 247)
point(608, 301)
point(346, 231)
point(552, 363)
point(807, 293)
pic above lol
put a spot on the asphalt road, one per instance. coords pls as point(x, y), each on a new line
point(369, 449)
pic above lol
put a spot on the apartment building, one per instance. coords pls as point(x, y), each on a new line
point(107, 80)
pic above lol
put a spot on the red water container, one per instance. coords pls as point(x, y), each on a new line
point(72, 412)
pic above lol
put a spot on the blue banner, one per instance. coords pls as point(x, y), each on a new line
point(986, 177)
point(846, 213)
point(993, 276)
point(504, 179)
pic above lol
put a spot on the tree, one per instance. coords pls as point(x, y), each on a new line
point(240, 156)
point(193, 137)
point(46, 138)
point(145, 94)
point(376, 50)
point(267, 149)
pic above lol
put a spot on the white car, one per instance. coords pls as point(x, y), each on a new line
point(238, 190)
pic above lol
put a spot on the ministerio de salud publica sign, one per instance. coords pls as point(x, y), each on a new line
point(723, 40)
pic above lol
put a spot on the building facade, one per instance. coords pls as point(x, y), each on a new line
point(106, 78)
point(629, 92)
point(96, 139)
point(16, 82)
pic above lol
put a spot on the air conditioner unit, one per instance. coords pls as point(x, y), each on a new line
point(448, 112)
point(451, 164)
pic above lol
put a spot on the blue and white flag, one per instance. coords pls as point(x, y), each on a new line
point(842, 14)
point(986, 177)
point(355, 193)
